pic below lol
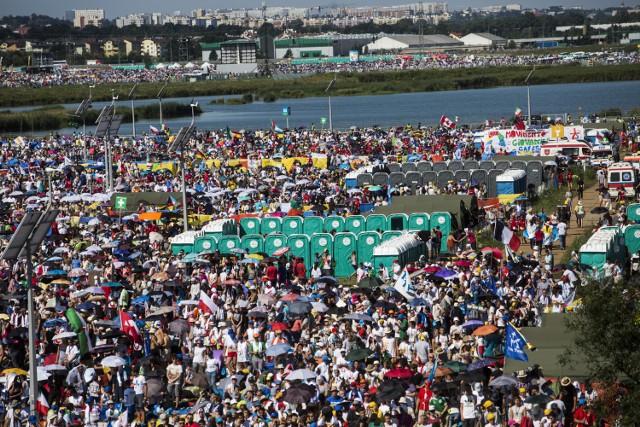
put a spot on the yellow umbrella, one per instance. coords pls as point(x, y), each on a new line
point(61, 282)
point(4, 316)
point(256, 256)
point(16, 371)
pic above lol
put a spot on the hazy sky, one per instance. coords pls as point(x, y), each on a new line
point(115, 8)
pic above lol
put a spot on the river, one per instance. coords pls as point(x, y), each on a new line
point(471, 106)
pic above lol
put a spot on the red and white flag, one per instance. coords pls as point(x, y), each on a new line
point(444, 121)
point(154, 130)
point(129, 327)
point(206, 304)
point(42, 406)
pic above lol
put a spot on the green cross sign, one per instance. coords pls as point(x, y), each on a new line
point(323, 120)
point(121, 203)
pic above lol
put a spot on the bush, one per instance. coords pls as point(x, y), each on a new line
point(247, 98)
point(270, 97)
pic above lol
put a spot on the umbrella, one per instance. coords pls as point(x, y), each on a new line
point(400, 373)
point(300, 307)
point(320, 307)
point(278, 349)
point(55, 367)
point(269, 259)
point(417, 302)
point(57, 273)
point(298, 394)
point(441, 372)
point(279, 326)
point(113, 361)
point(78, 272)
point(599, 210)
point(113, 285)
point(179, 326)
point(54, 259)
point(96, 290)
point(86, 306)
point(550, 163)
point(358, 354)
point(537, 399)
point(301, 375)
point(471, 375)
point(445, 274)
point(231, 282)
point(16, 371)
point(370, 282)
point(391, 389)
point(281, 251)
point(266, 299)
point(189, 302)
point(504, 380)
point(358, 317)
point(472, 324)
point(64, 335)
point(160, 276)
point(256, 256)
point(106, 323)
point(385, 305)
point(456, 366)
point(434, 278)
point(484, 330)
point(462, 263)
point(154, 386)
point(290, 297)
point(154, 237)
point(199, 380)
point(432, 269)
point(444, 386)
point(238, 251)
point(330, 280)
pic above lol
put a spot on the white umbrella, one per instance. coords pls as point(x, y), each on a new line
point(94, 248)
point(113, 361)
point(282, 177)
point(156, 237)
point(8, 200)
point(54, 367)
point(302, 375)
point(319, 307)
point(302, 182)
point(16, 193)
point(60, 250)
point(64, 335)
point(42, 374)
point(96, 290)
point(80, 294)
point(189, 302)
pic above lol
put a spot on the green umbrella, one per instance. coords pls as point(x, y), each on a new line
point(370, 282)
point(359, 354)
point(375, 188)
point(456, 366)
point(82, 246)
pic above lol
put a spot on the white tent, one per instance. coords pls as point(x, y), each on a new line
point(175, 65)
point(189, 65)
point(161, 66)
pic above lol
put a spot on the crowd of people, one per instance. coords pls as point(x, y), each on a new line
point(130, 332)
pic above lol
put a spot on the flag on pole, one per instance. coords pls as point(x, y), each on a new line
point(154, 130)
point(457, 119)
point(206, 304)
point(19, 141)
point(129, 327)
point(229, 137)
point(518, 112)
point(42, 406)
point(432, 375)
point(506, 236)
point(515, 344)
point(79, 326)
point(444, 121)
point(404, 286)
point(276, 128)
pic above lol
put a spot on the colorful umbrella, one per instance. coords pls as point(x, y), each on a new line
point(484, 330)
point(400, 373)
point(281, 251)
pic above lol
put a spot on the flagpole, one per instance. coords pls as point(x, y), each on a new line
point(529, 345)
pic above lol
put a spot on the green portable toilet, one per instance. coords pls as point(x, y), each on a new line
point(343, 245)
point(312, 225)
point(205, 244)
point(252, 243)
point(376, 222)
point(632, 239)
point(355, 224)
point(404, 248)
point(367, 240)
point(320, 242)
point(227, 243)
point(397, 221)
point(249, 225)
point(220, 227)
point(270, 224)
point(332, 223)
point(291, 225)
point(633, 212)
point(388, 235)
point(185, 241)
point(442, 220)
point(273, 242)
point(418, 221)
point(300, 247)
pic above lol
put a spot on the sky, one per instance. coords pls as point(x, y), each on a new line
point(115, 8)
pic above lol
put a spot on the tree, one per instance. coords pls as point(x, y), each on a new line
point(608, 335)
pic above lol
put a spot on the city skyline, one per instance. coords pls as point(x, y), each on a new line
point(118, 8)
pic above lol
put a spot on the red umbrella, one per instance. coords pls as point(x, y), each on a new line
point(462, 263)
point(495, 252)
point(231, 282)
point(432, 269)
point(290, 297)
point(400, 373)
point(281, 251)
point(279, 326)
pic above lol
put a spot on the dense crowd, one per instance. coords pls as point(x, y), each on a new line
point(129, 332)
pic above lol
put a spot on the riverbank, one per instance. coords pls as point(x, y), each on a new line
point(56, 117)
point(348, 84)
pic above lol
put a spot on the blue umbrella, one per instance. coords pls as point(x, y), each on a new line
point(472, 324)
point(57, 273)
point(250, 261)
point(278, 349)
point(120, 252)
point(112, 285)
point(445, 274)
point(417, 302)
point(54, 259)
point(86, 306)
point(482, 363)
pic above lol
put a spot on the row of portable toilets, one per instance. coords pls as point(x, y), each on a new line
point(307, 236)
point(416, 174)
point(609, 243)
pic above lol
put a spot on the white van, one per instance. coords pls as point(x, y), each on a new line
point(601, 156)
point(579, 151)
point(622, 175)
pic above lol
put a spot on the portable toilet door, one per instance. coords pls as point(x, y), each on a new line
point(343, 245)
point(312, 225)
point(439, 166)
point(300, 247)
point(367, 240)
point(249, 225)
point(442, 220)
point(273, 242)
point(202, 244)
point(355, 224)
point(633, 212)
point(320, 242)
point(252, 243)
point(424, 166)
point(418, 221)
point(397, 221)
point(333, 222)
point(391, 234)
point(291, 225)
point(377, 222)
point(270, 224)
point(226, 244)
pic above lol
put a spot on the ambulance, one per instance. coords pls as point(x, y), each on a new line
point(577, 150)
point(622, 175)
point(601, 156)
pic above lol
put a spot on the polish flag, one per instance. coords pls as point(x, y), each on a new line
point(206, 304)
point(129, 327)
point(42, 406)
point(154, 130)
point(444, 121)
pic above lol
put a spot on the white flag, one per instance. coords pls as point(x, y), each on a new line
point(404, 286)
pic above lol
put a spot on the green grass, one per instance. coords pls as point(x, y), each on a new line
point(576, 245)
point(551, 198)
point(348, 84)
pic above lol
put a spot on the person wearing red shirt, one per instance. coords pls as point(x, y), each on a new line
point(584, 416)
point(272, 273)
point(300, 269)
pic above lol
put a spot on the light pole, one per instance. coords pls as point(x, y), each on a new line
point(107, 147)
point(328, 90)
point(160, 102)
point(91, 87)
point(132, 96)
point(185, 210)
point(526, 81)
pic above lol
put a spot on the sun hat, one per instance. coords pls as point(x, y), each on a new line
point(565, 381)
